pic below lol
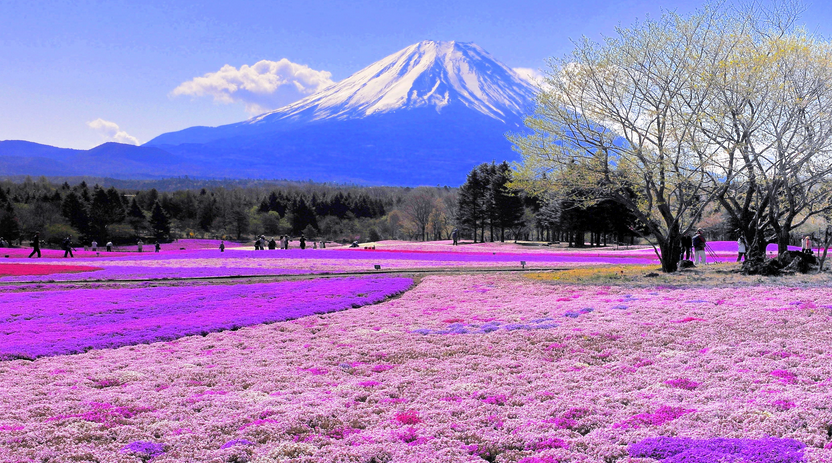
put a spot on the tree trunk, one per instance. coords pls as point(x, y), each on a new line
point(782, 242)
point(670, 250)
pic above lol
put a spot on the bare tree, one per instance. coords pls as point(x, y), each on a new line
point(771, 118)
point(417, 206)
point(619, 121)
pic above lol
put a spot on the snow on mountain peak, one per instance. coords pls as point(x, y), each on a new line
point(427, 74)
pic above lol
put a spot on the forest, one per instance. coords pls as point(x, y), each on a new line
point(485, 208)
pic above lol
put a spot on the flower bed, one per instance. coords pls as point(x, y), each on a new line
point(212, 263)
point(644, 371)
point(38, 269)
point(35, 323)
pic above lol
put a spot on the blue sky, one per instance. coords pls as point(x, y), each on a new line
point(77, 73)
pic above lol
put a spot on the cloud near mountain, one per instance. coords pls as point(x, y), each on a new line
point(111, 132)
point(261, 87)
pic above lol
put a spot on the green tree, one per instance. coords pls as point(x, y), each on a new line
point(75, 211)
point(159, 222)
point(136, 217)
point(9, 224)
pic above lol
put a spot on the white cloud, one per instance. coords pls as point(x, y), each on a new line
point(111, 132)
point(265, 86)
point(533, 76)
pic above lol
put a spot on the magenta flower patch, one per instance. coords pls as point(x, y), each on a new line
point(408, 417)
point(682, 383)
point(664, 414)
point(785, 376)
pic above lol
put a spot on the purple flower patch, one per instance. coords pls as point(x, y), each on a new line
point(73, 321)
point(686, 450)
point(144, 450)
point(234, 442)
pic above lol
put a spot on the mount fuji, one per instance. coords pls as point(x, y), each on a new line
point(425, 115)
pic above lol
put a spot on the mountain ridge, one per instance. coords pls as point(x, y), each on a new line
point(425, 115)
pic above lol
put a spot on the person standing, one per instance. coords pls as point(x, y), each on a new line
point(687, 246)
point(302, 241)
point(158, 247)
point(94, 246)
point(222, 246)
point(140, 244)
point(699, 244)
point(67, 245)
point(742, 248)
point(806, 245)
point(35, 245)
point(272, 244)
point(285, 241)
point(109, 246)
point(455, 236)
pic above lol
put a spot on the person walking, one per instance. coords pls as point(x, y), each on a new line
point(67, 245)
point(742, 248)
point(35, 245)
point(699, 244)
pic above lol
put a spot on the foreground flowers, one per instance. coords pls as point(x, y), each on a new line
point(39, 323)
point(397, 382)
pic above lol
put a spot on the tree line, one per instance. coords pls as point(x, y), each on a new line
point(485, 208)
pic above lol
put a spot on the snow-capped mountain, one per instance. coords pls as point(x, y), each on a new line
point(427, 74)
point(425, 115)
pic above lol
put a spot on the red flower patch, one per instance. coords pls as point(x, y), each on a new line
point(42, 269)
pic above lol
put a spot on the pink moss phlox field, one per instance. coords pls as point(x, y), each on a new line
point(212, 263)
point(363, 385)
point(35, 324)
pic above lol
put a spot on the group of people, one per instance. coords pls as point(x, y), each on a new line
point(94, 246)
point(260, 244)
point(693, 248)
point(66, 246)
point(140, 245)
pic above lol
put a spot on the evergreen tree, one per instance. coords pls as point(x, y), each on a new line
point(508, 205)
point(9, 224)
point(99, 214)
point(159, 222)
point(118, 210)
point(207, 213)
point(75, 211)
point(472, 200)
point(302, 216)
point(136, 217)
